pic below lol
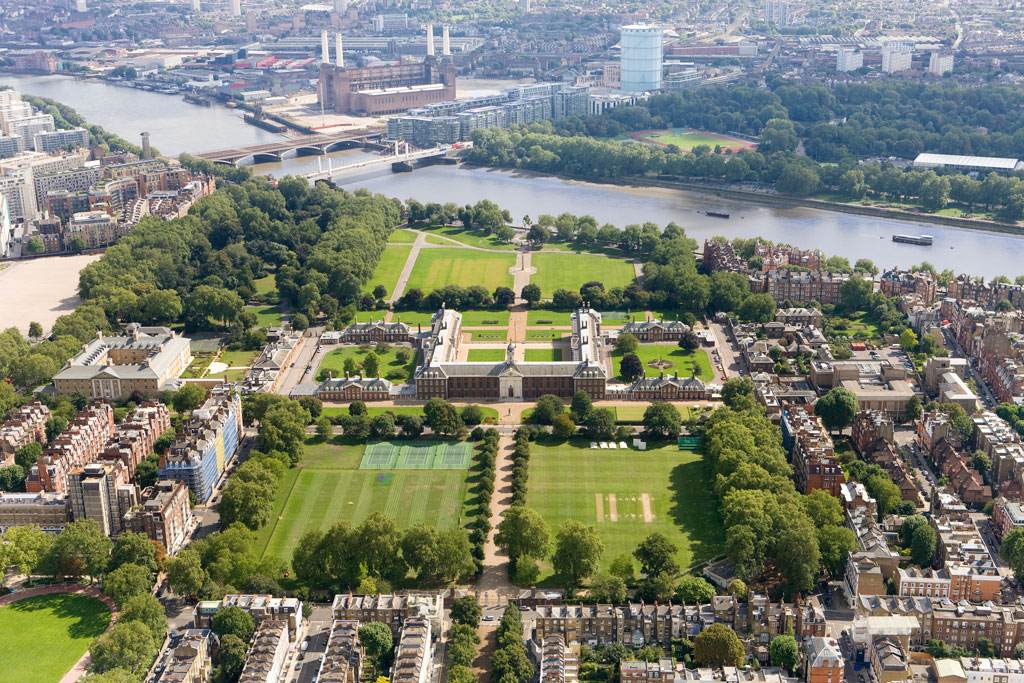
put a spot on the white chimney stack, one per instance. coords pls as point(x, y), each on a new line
point(430, 40)
point(195, 5)
point(236, 8)
point(339, 58)
point(325, 48)
point(446, 45)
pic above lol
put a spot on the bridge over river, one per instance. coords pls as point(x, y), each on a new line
point(309, 145)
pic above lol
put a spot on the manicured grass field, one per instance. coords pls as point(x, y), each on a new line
point(545, 335)
point(571, 271)
point(469, 318)
point(390, 367)
point(402, 236)
point(472, 238)
point(265, 285)
point(489, 335)
point(439, 267)
point(237, 359)
point(682, 361)
point(266, 316)
point(543, 355)
point(44, 636)
point(389, 268)
point(539, 317)
point(486, 355)
point(568, 479)
point(686, 139)
point(326, 488)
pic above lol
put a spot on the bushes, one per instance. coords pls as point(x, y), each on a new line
point(486, 457)
point(520, 467)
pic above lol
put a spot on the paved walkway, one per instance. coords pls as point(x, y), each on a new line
point(410, 262)
point(82, 665)
point(521, 272)
point(493, 582)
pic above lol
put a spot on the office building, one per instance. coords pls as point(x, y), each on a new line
point(641, 58)
point(206, 442)
point(114, 368)
point(849, 59)
point(390, 23)
point(939, 63)
point(165, 515)
point(103, 493)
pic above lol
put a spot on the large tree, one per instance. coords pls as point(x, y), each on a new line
point(718, 646)
point(234, 621)
point(784, 652)
point(134, 548)
point(695, 589)
point(126, 582)
point(466, 610)
point(657, 555)
point(663, 419)
point(578, 551)
point(129, 645)
point(185, 573)
point(836, 408)
point(523, 532)
point(82, 549)
point(377, 640)
point(148, 610)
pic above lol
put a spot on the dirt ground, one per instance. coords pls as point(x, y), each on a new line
point(40, 290)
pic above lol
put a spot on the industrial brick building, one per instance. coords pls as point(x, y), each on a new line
point(373, 90)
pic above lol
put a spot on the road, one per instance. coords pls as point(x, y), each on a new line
point(301, 369)
point(732, 361)
point(987, 397)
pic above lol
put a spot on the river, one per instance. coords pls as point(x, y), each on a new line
point(176, 126)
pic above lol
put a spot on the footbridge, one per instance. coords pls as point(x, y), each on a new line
point(309, 145)
point(399, 155)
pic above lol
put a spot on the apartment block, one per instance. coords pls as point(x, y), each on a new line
point(1007, 515)
point(899, 282)
point(103, 493)
point(79, 444)
point(26, 425)
point(133, 439)
point(823, 661)
point(48, 511)
point(391, 610)
point(186, 659)
point(558, 663)
point(413, 661)
point(259, 607)
point(870, 426)
point(76, 180)
point(985, 670)
point(265, 660)
point(343, 659)
point(815, 463)
point(973, 582)
point(778, 256)
point(164, 515)
point(51, 141)
point(890, 663)
point(205, 443)
point(95, 228)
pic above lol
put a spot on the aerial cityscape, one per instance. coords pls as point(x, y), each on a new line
point(443, 341)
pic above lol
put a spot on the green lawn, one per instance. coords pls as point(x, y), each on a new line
point(489, 335)
point(389, 268)
point(326, 488)
point(543, 355)
point(44, 636)
point(567, 479)
point(469, 318)
point(266, 316)
point(486, 355)
point(539, 317)
point(686, 141)
point(236, 359)
point(439, 267)
point(682, 361)
point(545, 335)
point(472, 238)
point(390, 367)
point(199, 363)
point(571, 271)
point(401, 236)
point(265, 285)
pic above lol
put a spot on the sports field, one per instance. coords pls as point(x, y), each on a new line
point(571, 271)
point(417, 455)
point(439, 267)
point(686, 363)
point(328, 487)
point(686, 139)
point(44, 636)
point(627, 495)
point(389, 268)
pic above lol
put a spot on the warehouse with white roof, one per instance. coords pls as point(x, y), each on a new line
point(962, 162)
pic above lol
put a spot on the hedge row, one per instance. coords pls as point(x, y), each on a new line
point(485, 458)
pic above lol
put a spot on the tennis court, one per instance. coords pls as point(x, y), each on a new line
point(421, 455)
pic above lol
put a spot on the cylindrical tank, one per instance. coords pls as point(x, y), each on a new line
point(641, 58)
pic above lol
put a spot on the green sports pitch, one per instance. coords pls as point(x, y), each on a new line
point(686, 139)
point(416, 455)
point(331, 485)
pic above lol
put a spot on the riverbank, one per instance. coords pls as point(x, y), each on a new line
point(778, 200)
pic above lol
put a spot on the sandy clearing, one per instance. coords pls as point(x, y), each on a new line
point(645, 504)
point(599, 500)
point(40, 290)
point(613, 509)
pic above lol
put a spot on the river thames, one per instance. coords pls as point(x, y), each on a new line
point(176, 126)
